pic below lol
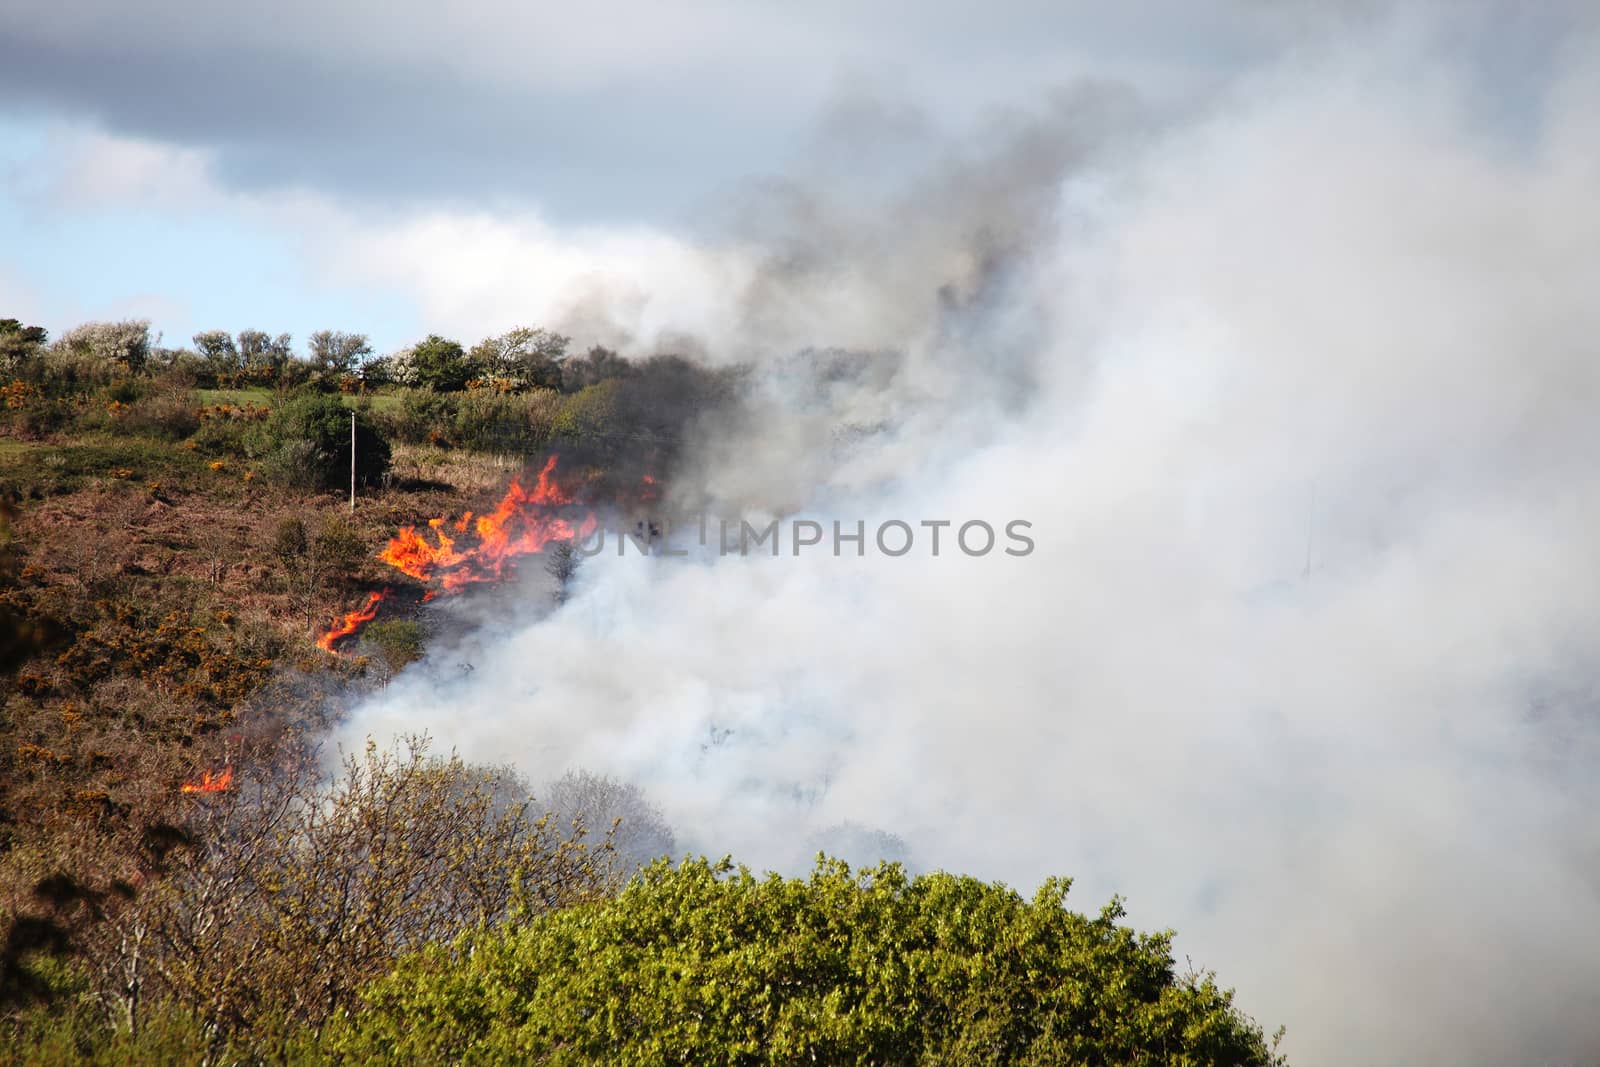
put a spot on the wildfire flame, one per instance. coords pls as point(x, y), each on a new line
point(522, 523)
point(525, 521)
point(352, 621)
point(211, 783)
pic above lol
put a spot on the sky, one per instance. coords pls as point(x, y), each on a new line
point(389, 169)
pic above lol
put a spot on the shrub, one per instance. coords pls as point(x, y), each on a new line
point(421, 417)
point(700, 964)
point(524, 357)
point(297, 892)
point(488, 421)
point(20, 347)
point(222, 435)
point(541, 408)
point(307, 444)
point(398, 641)
point(170, 414)
point(112, 346)
point(441, 364)
point(589, 415)
point(593, 367)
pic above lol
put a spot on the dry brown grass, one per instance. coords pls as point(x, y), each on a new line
point(462, 472)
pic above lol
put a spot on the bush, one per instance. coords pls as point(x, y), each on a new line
point(593, 367)
point(121, 346)
point(589, 416)
point(398, 641)
point(701, 965)
point(170, 414)
point(697, 964)
point(489, 421)
point(83, 1037)
point(307, 444)
point(20, 347)
point(296, 893)
point(422, 417)
point(221, 435)
point(541, 408)
point(441, 364)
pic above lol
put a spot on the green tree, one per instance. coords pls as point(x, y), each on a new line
point(125, 345)
point(528, 357)
point(440, 364)
point(262, 353)
point(307, 444)
point(337, 352)
point(20, 345)
point(593, 367)
point(701, 964)
point(217, 349)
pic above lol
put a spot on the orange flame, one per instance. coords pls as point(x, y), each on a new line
point(352, 621)
point(520, 524)
point(211, 783)
point(525, 521)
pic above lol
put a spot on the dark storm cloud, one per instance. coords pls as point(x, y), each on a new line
point(280, 118)
point(636, 109)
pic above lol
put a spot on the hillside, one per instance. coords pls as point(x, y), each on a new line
point(188, 603)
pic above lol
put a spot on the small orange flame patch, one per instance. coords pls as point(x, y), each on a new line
point(211, 783)
point(352, 621)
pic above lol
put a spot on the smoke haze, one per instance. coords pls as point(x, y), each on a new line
point(1297, 389)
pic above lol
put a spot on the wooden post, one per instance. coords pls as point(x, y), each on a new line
point(352, 463)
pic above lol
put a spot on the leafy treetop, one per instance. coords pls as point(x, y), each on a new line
point(703, 964)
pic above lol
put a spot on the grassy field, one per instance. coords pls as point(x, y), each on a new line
point(262, 397)
point(237, 397)
point(380, 401)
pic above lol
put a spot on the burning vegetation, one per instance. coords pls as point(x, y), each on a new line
point(454, 554)
point(211, 783)
point(154, 911)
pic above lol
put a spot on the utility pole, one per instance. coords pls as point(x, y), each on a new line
point(352, 463)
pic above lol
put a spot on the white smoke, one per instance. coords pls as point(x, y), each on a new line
point(1298, 396)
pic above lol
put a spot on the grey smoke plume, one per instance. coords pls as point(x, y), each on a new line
point(1298, 394)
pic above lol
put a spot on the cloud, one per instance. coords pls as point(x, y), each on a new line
point(640, 110)
point(1297, 397)
point(467, 273)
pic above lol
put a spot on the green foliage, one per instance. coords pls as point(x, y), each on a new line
point(306, 444)
point(593, 367)
point(222, 434)
point(703, 965)
point(398, 641)
point(169, 414)
point(19, 346)
point(219, 353)
point(421, 416)
point(262, 354)
point(490, 421)
point(79, 1036)
point(527, 358)
point(440, 364)
point(589, 415)
point(122, 346)
point(337, 352)
point(47, 470)
point(483, 420)
point(312, 561)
